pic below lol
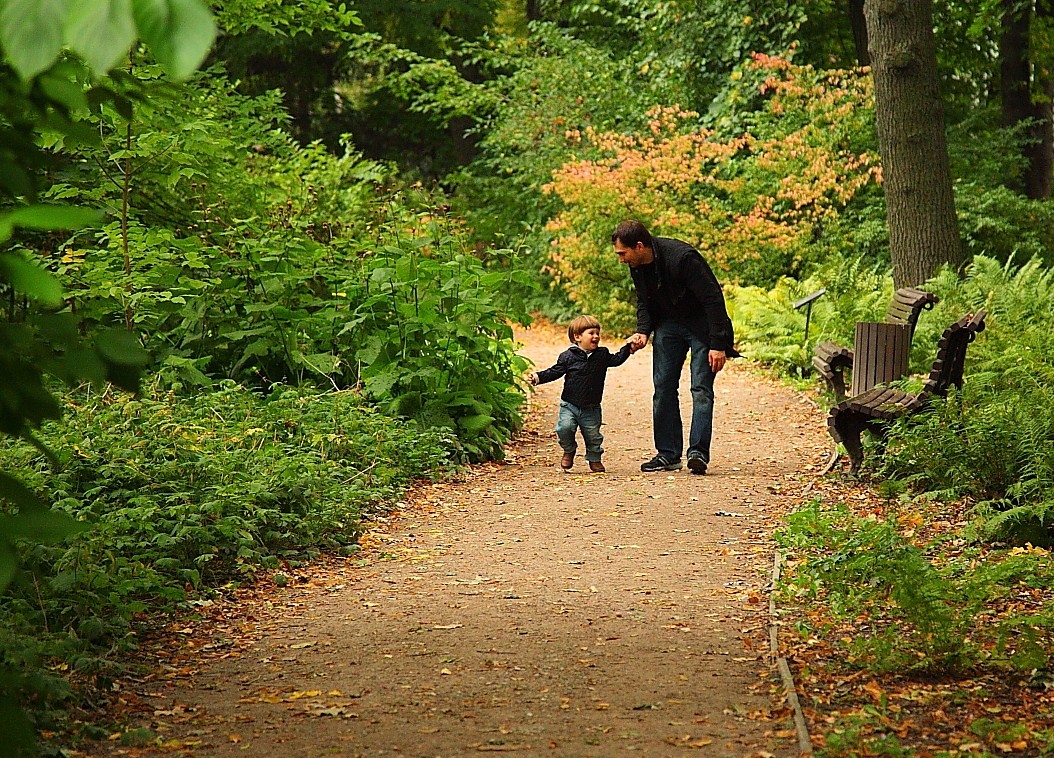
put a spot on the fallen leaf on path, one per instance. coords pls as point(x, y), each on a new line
point(337, 711)
point(300, 694)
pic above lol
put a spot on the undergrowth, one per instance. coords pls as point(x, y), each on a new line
point(179, 495)
point(938, 606)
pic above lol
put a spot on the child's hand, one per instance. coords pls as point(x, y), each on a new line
point(532, 378)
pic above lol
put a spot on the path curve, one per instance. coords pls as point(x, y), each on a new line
point(527, 610)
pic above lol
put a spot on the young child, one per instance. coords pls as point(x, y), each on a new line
point(584, 367)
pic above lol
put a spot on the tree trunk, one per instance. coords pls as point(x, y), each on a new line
point(1041, 157)
point(909, 115)
point(859, 26)
point(1014, 71)
point(1041, 154)
point(1025, 92)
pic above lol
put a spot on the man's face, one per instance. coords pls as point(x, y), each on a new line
point(637, 255)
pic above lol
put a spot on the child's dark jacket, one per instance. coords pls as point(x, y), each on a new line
point(585, 373)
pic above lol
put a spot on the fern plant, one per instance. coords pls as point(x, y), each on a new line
point(993, 441)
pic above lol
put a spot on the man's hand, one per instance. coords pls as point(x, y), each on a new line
point(532, 378)
point(638, 341)
point(717, 360)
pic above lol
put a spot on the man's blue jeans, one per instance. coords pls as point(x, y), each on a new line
point(572, 418)
point(671, 343)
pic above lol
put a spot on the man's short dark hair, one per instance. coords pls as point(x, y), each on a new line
point(630, 232)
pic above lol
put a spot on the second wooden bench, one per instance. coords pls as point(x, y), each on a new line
point(833, 361)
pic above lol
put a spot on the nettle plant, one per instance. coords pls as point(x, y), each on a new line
point(238, 254)
point(426, 330)
point(753, 203)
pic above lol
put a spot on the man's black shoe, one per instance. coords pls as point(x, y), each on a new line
point(661, 463)
point(696, 464)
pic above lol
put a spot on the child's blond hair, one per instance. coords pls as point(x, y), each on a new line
point(579, 325)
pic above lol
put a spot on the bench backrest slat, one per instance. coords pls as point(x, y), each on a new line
point(947, 368)
point(907, 305)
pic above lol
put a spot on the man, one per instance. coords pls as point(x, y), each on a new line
point(679, 301)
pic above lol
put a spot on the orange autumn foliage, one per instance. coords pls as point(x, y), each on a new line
point(750, 203)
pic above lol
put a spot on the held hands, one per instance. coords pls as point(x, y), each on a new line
point(532, 378)
point(716, 358)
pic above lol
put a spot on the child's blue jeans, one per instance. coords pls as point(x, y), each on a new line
point(572, 418)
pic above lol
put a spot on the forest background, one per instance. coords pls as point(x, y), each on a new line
point(261, 258)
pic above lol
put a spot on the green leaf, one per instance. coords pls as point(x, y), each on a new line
point(81, 363)
point(64, 91)
point(475, 424)
point(31, 33)
point(8, 567)
point(43, 526)
point(121, 347)
point(31, 280)
point(380, 384)
point(382, 274)
point(60, 329)
point(101, 31)
point(323, 363)
point(12, 490)
point(178, 32)
point(50, 217)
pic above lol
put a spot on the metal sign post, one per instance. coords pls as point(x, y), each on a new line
point(807, 302)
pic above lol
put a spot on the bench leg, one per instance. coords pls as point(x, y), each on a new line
point(855, 449)
point(847, 430)
point(837, 384)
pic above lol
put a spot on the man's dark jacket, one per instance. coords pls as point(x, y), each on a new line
point(585, 372)
point(680, 285)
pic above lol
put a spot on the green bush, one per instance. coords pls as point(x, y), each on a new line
point(992, 442)
point(772, 331)
point(999, 223)
point(864, 567)
point(180, 495)
point(241, 255)
point(191, 492)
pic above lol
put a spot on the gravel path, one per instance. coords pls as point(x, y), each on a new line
point(526, 610)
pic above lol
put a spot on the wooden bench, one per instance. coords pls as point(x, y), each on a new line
point(876, 407)
point(832, 360)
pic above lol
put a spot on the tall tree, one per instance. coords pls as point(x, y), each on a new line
point(1027, 88)
point(859, 27)
point(909, 115)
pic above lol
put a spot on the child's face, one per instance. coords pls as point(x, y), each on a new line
point(589, 339)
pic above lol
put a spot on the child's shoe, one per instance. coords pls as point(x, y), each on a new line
point(567, 461)
point(597, 467)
